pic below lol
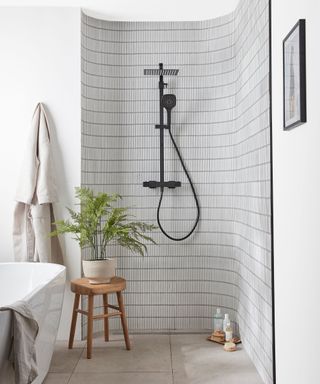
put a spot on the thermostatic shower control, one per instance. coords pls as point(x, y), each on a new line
point(157, 184)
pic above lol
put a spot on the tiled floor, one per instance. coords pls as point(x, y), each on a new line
point(154, 359)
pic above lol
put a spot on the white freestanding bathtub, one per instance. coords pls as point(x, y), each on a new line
point(41, 285)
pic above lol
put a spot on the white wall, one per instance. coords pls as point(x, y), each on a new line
point(141, 9)
point(40, 61)
point(297, 207)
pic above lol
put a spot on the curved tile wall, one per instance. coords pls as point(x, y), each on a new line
point(221, 124)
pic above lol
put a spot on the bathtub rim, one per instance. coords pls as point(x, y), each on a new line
point(60, 270)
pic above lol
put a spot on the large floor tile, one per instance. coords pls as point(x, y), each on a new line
point(198, 361)
point(64, 360)
point(76, 344)
point(193, 351)
point(121, 378)
point(218, 377)
point(149, 353)
point(57, 378)
point(115, 340)
point(98, 341)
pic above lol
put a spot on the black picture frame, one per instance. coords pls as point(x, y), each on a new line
point(294, 76)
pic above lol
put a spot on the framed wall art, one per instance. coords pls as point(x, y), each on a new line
point(294, 77)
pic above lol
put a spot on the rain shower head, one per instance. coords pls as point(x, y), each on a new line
point(160, 72)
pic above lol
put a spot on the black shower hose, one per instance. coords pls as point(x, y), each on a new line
point(194, 195)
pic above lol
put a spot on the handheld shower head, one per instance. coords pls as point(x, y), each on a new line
point(168, 101)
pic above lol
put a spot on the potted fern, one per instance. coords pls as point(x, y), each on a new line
point(98, 224)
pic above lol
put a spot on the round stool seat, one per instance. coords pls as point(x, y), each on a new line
point(83, 287)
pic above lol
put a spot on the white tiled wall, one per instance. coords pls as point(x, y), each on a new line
point(221, 124)
point(252, 237)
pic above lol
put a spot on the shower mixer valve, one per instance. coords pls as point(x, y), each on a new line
point(156, 184)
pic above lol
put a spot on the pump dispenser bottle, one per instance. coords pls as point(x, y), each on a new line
point(228, 332)
point(226, 320)
point(217, 321)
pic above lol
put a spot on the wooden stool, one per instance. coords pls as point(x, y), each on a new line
point(82, 287)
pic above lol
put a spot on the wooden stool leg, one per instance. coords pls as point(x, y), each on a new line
point(106, 319)
point(74, 319)
point(90, 326)
point(123, 320)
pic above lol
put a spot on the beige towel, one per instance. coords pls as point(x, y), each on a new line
point(33, 213)
point(25, 329)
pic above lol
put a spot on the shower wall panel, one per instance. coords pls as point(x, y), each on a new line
point(221, 124)
point(177, 285)
point(252, 226)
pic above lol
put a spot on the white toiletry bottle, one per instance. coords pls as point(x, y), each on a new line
point(226, 320)
point(217, 321)
point(228, 332)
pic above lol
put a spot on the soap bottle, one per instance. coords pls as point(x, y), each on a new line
point(228, 332)
point(226, 320)
point(217, 321)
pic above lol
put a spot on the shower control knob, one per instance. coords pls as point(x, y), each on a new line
point(151, 184)
point(173, 184)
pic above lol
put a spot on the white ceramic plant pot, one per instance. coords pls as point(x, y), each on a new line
point(99, 271)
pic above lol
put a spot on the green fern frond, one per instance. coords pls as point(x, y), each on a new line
point(99, 223)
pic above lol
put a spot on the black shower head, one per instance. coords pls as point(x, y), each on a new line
point(168, 101)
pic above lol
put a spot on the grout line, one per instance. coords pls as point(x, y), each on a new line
point(120, 372)
point(75, 366)
point(69, 378)
point(171, 357)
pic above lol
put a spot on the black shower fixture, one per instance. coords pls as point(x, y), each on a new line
point(168, 102)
